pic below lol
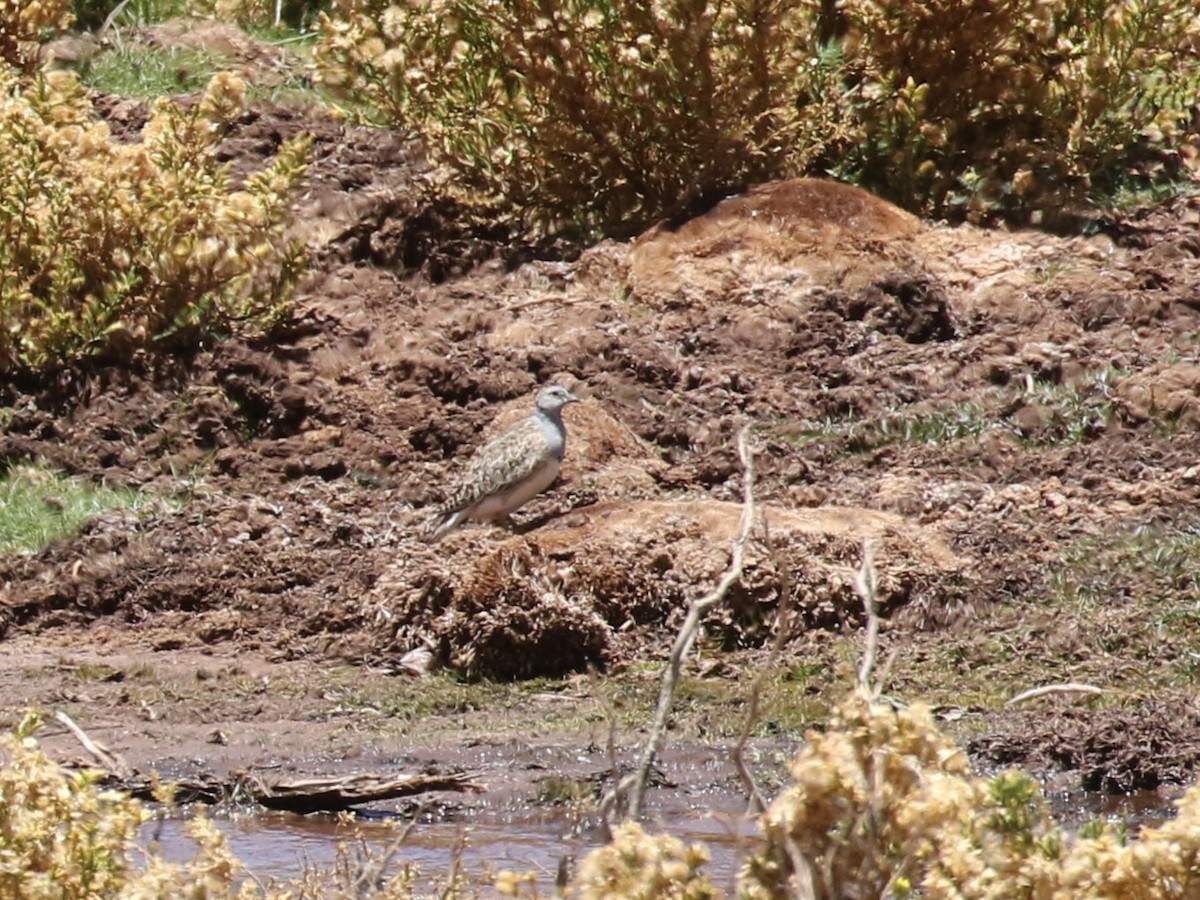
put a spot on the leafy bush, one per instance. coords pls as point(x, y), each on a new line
point(22, 25)
point(1017, 104)
point(592, 113)
point(613, 113)
point(108, 248)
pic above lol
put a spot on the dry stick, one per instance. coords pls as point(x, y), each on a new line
point(1072, 687)
point(866, 585)
point(546, 298)
point(110, 761)
point(112, 16)
point(633, 786)
point(782, 622)
point(371, 871)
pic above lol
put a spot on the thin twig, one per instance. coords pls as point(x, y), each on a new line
point(111, 761)
point(112, 16)
point(866, 585)
point(558, 299)
point(783, 618)
point(1068, 688)
point(372, 871)
point(633, 787)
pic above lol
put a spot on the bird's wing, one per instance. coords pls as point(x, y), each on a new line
point(506, 461)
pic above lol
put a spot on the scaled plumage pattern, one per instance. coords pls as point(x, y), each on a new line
point(511, 470)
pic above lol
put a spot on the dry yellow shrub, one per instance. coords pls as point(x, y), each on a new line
point(608, 113)
point(1018, 104)
point(107, 247)
point(612, 113)
point(63, 838)
point(640, 866)
point(884, 805)
point(60, 836)
point(23, 23)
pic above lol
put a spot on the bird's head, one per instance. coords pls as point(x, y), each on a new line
point(554, 397)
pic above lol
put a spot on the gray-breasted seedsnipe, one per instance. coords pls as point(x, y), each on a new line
point(508, 472)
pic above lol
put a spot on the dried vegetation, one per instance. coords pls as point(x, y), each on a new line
point(109, 247)
point(611, 115)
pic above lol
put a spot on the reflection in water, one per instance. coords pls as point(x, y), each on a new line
point(282, 846)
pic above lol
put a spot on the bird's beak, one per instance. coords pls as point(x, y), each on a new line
point(571, 398)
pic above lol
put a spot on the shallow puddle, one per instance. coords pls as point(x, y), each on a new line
point(1137, 809)
point(282, 846)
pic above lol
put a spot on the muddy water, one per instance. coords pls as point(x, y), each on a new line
point(1136, 809)
point(283, 846)
point(699, 797)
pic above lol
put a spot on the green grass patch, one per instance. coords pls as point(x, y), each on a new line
point(37, 505)
point(1072, 414)
point(141, 71)
point(146, 73)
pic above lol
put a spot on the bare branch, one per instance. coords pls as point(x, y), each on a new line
point(112, 16)
point(109, 760)
point(783, 618)
point(866, 585)
point(632, 788)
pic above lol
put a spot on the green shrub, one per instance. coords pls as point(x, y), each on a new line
point(613, 113)
point(110, 248)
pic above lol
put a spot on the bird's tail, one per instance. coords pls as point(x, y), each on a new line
point(439, 524)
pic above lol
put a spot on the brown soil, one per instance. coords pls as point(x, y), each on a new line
point(994, 408)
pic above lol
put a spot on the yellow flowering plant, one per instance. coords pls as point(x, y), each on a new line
point(108, 248)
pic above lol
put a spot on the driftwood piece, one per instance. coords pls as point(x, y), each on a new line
point(318, 794)
point(302, 795)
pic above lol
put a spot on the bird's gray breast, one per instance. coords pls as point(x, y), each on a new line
point(555, 435)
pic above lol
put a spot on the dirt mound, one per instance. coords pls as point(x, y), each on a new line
point(1170, 390)
point(606, 581)
point(790, 236)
